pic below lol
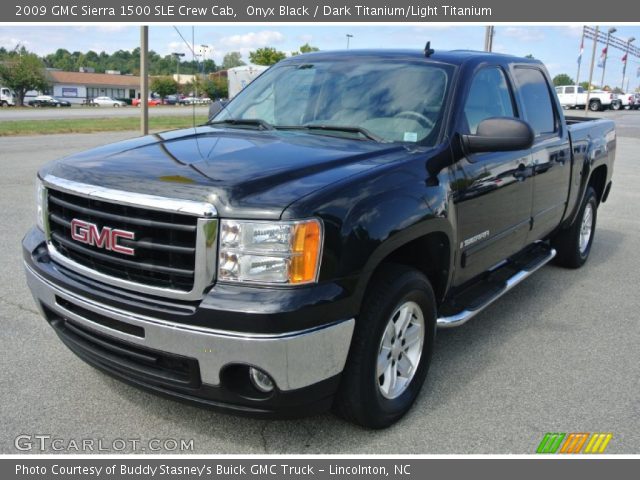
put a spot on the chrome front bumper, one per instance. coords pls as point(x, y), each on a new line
point(294, 360)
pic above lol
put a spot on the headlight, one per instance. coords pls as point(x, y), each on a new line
point(270, 252)
point(40, 203)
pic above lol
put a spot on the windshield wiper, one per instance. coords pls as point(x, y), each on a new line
point(336, 128)
point(255, 122)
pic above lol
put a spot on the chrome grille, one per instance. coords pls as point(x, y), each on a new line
point(174, 252)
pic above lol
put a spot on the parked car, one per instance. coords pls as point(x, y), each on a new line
point(636, 101)
point(152, 102)
point(194, 101)
point(48, 101)
point(107, 102)
point(574, 96)
point(624, 101)
point(171, 100)
point(299, 250)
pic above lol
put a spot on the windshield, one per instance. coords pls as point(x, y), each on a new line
point(390, 102)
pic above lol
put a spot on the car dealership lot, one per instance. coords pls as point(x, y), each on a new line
point(557, 354)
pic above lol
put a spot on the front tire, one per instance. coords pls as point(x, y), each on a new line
point(574, 244)
point(595, 105)
point(391, 348)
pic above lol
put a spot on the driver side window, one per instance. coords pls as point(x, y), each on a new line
point(489, 96)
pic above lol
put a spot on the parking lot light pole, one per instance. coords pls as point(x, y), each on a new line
point(177, 56)
point(593, 60)
point(349, 36)
point(606, 54)
point(626, 59)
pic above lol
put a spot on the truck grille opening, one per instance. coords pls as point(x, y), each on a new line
point(164, 243)
point(126, 359)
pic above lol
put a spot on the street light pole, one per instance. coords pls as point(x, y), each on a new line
point(178, 57)
point(606, 54)
point(626, 59)
point(593, 60)
point(349, 36)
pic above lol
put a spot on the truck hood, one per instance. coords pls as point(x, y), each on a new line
point(243, 173)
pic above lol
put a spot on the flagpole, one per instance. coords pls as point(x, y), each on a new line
point(580, 58)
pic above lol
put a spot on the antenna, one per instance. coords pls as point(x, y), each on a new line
point(428, 51)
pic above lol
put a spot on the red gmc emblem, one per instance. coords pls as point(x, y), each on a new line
point(107, 238)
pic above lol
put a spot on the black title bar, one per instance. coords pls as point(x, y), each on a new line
point(143, 11)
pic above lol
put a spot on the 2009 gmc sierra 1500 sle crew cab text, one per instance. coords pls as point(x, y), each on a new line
point(299, 250)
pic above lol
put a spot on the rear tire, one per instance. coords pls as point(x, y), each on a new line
point(385, 371)
point(574, 244)
point(616, 106)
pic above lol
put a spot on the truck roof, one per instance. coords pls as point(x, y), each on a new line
point(454, 57)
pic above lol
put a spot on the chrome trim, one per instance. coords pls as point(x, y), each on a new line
point(206, 236)
point(143, 200)
point(293, 359)
point(466, 315)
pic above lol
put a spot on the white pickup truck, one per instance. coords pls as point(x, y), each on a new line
point(7, 97)
point(571, 96)
point(624, 101)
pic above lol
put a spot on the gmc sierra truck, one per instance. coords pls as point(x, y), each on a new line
point(299, 251)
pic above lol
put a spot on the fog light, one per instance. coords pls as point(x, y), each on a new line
point(260, 380)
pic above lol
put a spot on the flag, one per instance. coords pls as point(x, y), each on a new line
point(603, 58)
point(624, 59)
point(581, 51)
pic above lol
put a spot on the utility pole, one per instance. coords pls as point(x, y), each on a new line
point(488, 38)
point(606, 54)
point(144, 80)
point(626, 59)
point(349, 36)
point(593, 59)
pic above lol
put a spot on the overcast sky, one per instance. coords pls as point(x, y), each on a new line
point(557, 47)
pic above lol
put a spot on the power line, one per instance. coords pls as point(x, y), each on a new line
point(185, 41)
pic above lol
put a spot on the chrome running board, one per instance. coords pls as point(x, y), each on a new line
point(467, 314)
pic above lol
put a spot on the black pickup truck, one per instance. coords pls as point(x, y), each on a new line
point(299, 250)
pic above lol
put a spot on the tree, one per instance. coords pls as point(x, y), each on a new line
point(306, 48)
point(164, 86)
point(529, 56)
point(22, 73)
point(266, 56)
point(586, 86)
point(562, 79)
point(216, 88)
point(232, 59)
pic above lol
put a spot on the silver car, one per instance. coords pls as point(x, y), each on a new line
point(107, 102)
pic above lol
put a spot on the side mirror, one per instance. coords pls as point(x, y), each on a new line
point(499, 134)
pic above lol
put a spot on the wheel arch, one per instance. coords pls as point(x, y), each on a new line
point(430, 252)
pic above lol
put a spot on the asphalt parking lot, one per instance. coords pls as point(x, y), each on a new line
point(560, 353)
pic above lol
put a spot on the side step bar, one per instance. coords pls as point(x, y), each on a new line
point(467, 314)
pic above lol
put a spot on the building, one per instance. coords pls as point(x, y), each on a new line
point(78, 87)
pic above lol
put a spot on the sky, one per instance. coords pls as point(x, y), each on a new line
point(556, 46)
